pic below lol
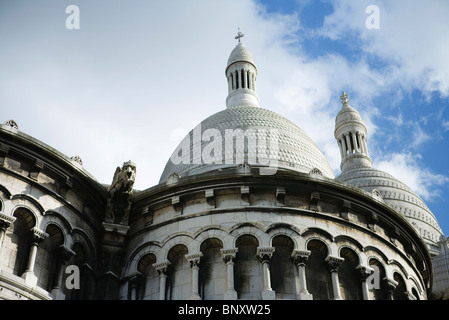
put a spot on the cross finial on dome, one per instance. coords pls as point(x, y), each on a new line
point(239, 35)
point(344, 99)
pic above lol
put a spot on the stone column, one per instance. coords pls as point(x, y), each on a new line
point(64, 254)
point(334, 264)
point(354, 141)
point(348, 143)
point(343, 144)
point(299, 258)
point(342, 152)
point(365, 272)
point(134, 281)
point(194, 260)
point(5, 222)
point(28, 275)
point(161, 268)
point(254, 82)
point(228, 257)
point(390, 287)
point(245, 79)
point(265, 254)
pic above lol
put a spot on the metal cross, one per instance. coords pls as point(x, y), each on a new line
point(344, 98)
point(239, 35)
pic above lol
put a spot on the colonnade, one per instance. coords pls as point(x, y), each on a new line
point(241, 79)
point(352, 142)
point(264, 254)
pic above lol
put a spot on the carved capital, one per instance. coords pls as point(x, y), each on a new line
point(265, 254)
point(194, 259)
point(334, 263)
point(229, 254)
point(162, 267)
point(364, 271)
point(65, 253)
point(6, 221)
point(38, 235)
point(299, 257)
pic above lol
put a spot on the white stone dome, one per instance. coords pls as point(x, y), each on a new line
point(400, 197)
point(240, 53)
point(295, 150)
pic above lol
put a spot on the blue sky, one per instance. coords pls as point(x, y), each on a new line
point(137, 76)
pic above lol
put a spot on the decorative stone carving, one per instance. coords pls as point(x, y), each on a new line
point(334, 263)
point(265, 253)
point(299, 257)
point(77, 159)
point(315, 171)
point(119, 204)
point(11, 123)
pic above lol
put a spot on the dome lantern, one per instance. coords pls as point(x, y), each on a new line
point(241, 73)
point(351, 135)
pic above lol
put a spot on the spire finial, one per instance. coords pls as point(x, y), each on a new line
point(239, 35)
point(344, 99)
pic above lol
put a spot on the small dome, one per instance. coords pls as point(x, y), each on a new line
point(398, 196)
point(346, 115)
point(240, 53)
point(295, 150)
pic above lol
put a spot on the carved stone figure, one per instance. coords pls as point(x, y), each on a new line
point(119, 204)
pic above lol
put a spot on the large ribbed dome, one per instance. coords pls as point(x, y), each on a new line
point(399, 196)
point(295, 150)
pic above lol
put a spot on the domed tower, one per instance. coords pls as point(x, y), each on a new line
point(357, 170)
point(350, 132)
point(244, 133)
point(241, 73)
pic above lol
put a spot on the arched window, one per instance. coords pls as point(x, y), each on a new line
point(86, 283)
point(319, 282)
point(16, 244)
point(47, 263)
point(349, 277)
point(212, 270)
point(377, 287)
point(148, 288)
point(248, 270)
point(179, 278)
point(400, 292)
point(282, 268)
